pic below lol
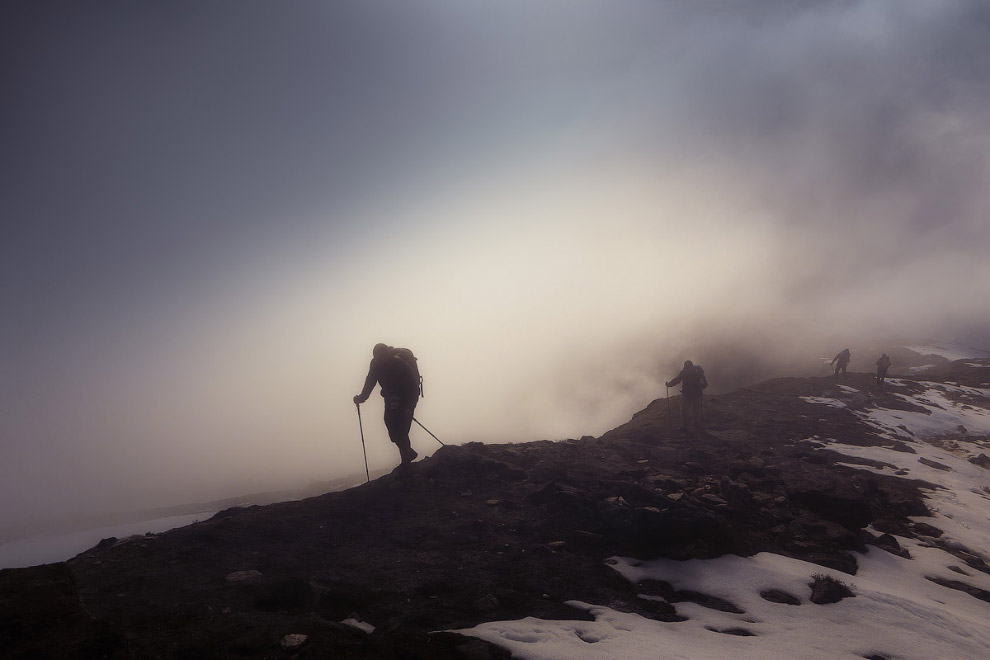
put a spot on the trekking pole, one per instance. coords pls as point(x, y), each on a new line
point(429, 431)
point(363, 448)
point(670, 424)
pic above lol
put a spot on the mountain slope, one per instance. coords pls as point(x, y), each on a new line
point(483, 533)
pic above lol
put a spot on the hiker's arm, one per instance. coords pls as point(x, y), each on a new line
point(676, 380)
point(369, 384)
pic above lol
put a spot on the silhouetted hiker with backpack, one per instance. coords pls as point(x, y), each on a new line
point(841, 361)
point(694, 383)
point(882, 365)
point(396, 371)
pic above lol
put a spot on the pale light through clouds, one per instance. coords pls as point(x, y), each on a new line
point(550, 203)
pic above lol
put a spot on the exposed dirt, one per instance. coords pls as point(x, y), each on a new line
point(479, 533)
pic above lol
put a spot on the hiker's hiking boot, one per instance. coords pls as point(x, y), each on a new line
point(408, 455)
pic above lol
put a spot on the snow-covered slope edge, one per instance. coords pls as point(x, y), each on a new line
point(928, 603)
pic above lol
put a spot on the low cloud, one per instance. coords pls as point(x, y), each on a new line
point(553, 219)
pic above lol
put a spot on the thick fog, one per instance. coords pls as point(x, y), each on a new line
point(213, 212)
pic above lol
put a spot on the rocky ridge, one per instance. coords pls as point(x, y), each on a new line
point(491, 532)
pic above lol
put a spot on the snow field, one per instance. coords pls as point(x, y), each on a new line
point(896, 612)
point(950, 351)
point(960, 502)
point(944, 416)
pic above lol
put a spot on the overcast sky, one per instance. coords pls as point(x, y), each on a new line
point(212, 211)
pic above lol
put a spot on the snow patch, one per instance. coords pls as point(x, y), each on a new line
point(360, 625)
point(941, 416)
point(835, 403)
point(950, 351)
point(896, 612)
point(959, 501)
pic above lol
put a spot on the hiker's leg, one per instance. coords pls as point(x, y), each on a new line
point(685, 411)
point(398, 429)
point(696, 404)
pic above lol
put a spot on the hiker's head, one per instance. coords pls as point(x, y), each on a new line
point(688, 364)
point(381, 351)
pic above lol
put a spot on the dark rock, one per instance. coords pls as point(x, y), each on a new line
point(293, 641)
point(827, 532)
point(233, 511)
point(924, 529)
point(650, 533)
point(736, 494)
point(584, 539)
point(510, 597)
point(487, 603)
point(41, 617)
point(889, 543)
point(826, 589)
point(476, 649)
point(888, 540)
point(975, 592)
point(778, 596)
point(244, 576)
point(839, 560)
point(461, 463)
point(668, 593)
point(934, 464)
point(982, 460)
point(337, 598)
point(821, 492)
point(563, 502)
point(740, 632)
point(291, 594)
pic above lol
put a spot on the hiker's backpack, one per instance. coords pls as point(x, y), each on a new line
point(407, 356)
point(702, 381)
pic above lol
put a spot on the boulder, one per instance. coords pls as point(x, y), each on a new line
point(826, 589)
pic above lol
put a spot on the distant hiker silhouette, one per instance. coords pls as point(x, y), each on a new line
point(841, 361)
point(693, 381)
point(882, 365)
point(396, 371)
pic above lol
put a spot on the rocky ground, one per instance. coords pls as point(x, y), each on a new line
point(484, 532)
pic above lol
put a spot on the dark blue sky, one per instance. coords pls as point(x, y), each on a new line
point(212, 211)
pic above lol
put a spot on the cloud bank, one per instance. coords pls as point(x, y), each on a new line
point(218, 210)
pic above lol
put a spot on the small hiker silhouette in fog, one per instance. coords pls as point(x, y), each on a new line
point(693, 381)
point(841, 361)
point(882, 365)
point(396, 371)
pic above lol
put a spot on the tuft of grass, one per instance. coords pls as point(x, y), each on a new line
point(822, 577)
point(822, 595)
